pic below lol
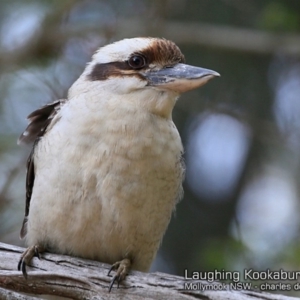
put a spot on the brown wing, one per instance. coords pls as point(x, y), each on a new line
point(39, 121)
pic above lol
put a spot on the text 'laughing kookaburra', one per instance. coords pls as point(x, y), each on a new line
point(106, 169)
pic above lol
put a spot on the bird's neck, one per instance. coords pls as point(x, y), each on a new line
point(160, 103)
point(109, 94)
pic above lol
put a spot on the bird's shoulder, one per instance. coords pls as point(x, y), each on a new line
point(39, 121)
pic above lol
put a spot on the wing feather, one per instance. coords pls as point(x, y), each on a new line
point(39, 120)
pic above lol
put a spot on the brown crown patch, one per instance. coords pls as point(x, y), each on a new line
point(163, 53)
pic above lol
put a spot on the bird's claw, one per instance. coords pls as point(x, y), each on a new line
point(122, 268)
point(27, 256)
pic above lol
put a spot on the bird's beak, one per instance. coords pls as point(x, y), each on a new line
point(180, 77)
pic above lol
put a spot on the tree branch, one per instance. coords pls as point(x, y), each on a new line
point(77, 278)
point(206, 35)
point(52, 37)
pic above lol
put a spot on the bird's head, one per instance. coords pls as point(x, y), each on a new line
point(149, 72)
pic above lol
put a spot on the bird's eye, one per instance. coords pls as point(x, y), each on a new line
point(137, 62)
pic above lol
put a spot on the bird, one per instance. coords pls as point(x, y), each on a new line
point(106, 169)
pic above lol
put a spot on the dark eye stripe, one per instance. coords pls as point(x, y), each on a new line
point(104, 71)
point(161, 53)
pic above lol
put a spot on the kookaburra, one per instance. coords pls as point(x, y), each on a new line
point(106, 168)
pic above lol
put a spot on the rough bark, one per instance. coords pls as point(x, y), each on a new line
point(75, 278)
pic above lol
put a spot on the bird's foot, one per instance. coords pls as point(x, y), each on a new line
point(122, 268)
point(27, 256)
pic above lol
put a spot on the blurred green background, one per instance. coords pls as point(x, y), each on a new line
point(241, 132)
